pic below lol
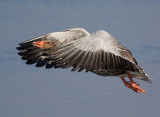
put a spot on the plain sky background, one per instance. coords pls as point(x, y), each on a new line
point(26, 91)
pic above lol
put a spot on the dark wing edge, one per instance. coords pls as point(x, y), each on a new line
point(139, 73)
point(126, 54)
point(32, 53)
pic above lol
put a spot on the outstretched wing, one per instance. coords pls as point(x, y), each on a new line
point(77, 48)
point(95, 52)
point(38, 55)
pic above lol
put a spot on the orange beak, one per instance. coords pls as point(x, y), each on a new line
point(38, 44)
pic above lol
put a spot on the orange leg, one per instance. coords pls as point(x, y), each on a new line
point(132, 85)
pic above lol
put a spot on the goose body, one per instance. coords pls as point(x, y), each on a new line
point(99, 53)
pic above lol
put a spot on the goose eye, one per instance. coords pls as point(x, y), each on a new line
point(48, 42)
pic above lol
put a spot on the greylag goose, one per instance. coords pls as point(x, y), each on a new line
point(99, 53)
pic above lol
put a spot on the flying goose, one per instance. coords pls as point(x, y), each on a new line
point(99, 53)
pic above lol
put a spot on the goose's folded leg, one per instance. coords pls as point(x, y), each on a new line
point(132, 85)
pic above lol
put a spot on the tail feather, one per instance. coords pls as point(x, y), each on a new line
point(140, 76)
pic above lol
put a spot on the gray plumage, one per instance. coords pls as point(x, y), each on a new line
point(99, 53)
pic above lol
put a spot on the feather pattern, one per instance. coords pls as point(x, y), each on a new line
point(99, 53)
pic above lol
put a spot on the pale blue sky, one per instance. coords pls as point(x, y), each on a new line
point(27, 91)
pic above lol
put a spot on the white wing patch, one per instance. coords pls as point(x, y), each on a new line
point(69, 35)
point(100, 40)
